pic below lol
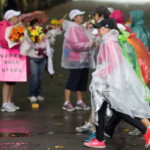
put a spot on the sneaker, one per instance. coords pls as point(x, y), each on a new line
point(135, 132)
point(40, 98)
point(68, 107)
point(90, 138)
point(13, 105)
point(8, 108)
point(147, 138)
point(95, 144)
point(33, 99)
point(82, 106)
point(86, 128)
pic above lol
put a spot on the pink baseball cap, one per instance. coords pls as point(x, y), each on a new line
point(75, 12)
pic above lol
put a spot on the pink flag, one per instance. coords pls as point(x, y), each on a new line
point(12, 66)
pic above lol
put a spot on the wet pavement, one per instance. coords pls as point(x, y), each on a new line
point(50, 128)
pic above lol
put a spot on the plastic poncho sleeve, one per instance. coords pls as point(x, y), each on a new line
point(78, 39)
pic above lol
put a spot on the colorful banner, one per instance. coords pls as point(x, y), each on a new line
point(12, 66)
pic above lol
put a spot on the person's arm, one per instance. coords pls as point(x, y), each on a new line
point(74, 38)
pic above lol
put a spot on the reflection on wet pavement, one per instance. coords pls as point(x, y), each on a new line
point(50, 128)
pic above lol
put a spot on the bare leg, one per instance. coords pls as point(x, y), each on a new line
point(90, 119)
point(79, 95)
point(11, 92)
point(67, 95)
point(6, 89)
point(145, 122)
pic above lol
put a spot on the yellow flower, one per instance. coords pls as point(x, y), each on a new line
point(38, 29)
point(29, 28)
point(54, 22)
point(32, 38)
point(34, 33)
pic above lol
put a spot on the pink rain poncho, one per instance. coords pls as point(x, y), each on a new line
point(115, 81)
point(76, 47)
point(3, 43)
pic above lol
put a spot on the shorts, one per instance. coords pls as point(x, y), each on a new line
point(10, 83)
point(78, 79)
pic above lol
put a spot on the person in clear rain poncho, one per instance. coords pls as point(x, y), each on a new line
point(75, 57)
point(115, 83)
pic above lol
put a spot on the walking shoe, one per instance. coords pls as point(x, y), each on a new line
point(33, 99)
point(135, 132)
point(40, 98)
point(147, 138)
point(8, 108)
point(68, 107)
point(95, 144)
point(82, 106)
point(90, 138)
point(13, 105)
point(86, 128)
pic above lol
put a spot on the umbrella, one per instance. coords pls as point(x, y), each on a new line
point(39, 15)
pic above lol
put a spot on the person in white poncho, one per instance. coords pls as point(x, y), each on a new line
point(115, 83)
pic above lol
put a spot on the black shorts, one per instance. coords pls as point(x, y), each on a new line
point(78, 79)
point(10, 83)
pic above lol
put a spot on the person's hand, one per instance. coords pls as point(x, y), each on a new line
point(92, 44)
point(52, 76)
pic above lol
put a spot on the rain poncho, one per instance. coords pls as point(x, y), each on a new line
point(76, 47)
point(138, 27)
point(130, 55)
point(3, 26)
point(142, 55)
point(115, 81)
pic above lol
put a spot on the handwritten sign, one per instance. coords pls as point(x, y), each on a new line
point(12, 66)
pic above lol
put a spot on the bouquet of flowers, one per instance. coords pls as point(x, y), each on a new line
point(88, 24)
point(35, 34)
point(14, 35)
point(54, 23)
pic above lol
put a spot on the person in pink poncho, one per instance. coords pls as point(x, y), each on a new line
point(11, 18)
point(75, 57)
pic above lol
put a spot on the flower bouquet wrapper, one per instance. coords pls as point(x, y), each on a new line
point(27, 46)
point(14, 35)
point(51, 35)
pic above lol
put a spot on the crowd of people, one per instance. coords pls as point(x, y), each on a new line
point(119, 86)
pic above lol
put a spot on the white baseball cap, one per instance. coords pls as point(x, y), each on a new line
point(75, 12)
point(11, 13)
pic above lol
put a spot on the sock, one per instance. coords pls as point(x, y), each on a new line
point(65, 103)
point(89, 124)
point(4, 104)
point(79, 102)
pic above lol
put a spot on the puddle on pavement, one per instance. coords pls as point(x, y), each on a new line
point(5, 135)
point(18, 145)
point(15, 135)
